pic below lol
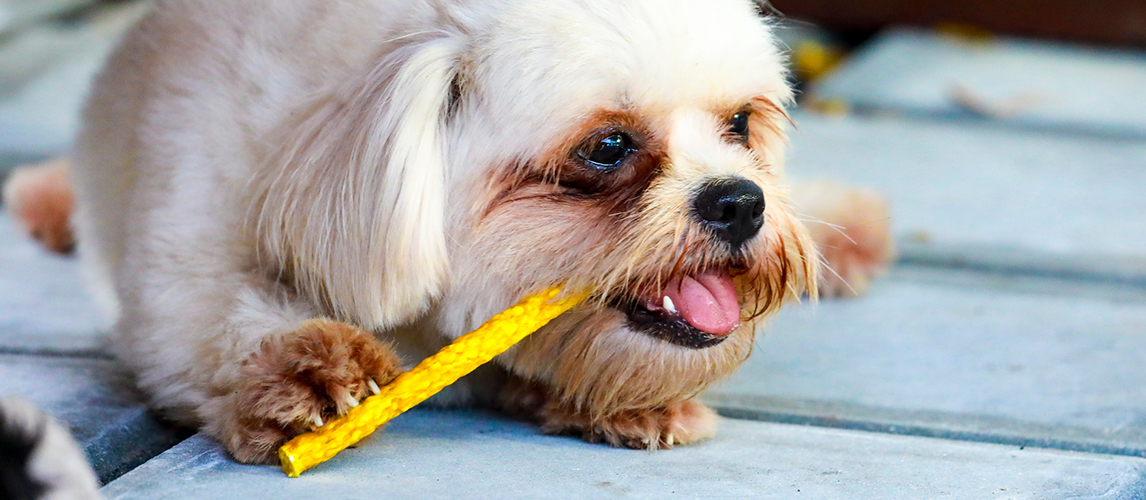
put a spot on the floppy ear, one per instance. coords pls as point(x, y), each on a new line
point(350, 209)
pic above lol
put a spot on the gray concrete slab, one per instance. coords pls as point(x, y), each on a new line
point(1023, 83)
point(957, 185)
point(426, 454)
point(96, 402)
point(941, 353)
point(44, 304)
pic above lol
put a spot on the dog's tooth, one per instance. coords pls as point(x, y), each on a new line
point(370, 383)
point(669, 306)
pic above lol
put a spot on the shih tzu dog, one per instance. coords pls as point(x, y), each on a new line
point(287, 200)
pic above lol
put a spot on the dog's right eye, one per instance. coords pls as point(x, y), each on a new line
point(608, 153)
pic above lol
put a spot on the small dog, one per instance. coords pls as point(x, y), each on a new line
point(268, 188)
point(39, 460)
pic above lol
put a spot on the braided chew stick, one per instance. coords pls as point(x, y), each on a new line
point(430, 376)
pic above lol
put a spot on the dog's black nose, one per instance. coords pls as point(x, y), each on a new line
point(732, 207)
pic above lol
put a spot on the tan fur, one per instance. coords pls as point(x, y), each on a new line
point(276, 398)
point(660, 427)
point(41, 199)
point(852, 230)
point(684, 421)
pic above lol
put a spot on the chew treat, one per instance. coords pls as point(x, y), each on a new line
point(430, 376)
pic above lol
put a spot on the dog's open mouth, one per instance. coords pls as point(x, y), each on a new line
point(694, 311)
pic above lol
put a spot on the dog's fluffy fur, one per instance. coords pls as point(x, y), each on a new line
point(39, 460)
point(41, 199)
point(266, 188)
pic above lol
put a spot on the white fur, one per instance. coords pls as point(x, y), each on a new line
point(56, 462)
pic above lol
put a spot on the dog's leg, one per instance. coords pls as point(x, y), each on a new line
point(266, 374)
point(852, 230)
point(684, 422)
point(295, 382)
point(41, 199)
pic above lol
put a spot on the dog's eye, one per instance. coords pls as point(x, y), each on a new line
point(608, 153)
point(738, 126)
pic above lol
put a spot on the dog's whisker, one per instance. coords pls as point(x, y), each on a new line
point(825, 265)
point(814, 220)
point(835, 227)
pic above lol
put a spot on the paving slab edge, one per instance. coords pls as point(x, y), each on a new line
point(825, 90)
point(131, 442)
point(1127, 482)
point(864, 108)
point(928, 424)
point(1128, 271)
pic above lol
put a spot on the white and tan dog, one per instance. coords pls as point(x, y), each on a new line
point(266, 188)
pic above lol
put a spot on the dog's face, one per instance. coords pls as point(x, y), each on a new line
point(630, 148)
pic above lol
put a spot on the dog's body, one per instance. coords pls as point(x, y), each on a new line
point(266, 187)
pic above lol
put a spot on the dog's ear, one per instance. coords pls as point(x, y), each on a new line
point(351, 209)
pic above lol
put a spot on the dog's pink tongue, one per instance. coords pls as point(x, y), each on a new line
point(707, 301)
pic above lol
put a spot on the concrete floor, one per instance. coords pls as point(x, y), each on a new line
point(1003, 357)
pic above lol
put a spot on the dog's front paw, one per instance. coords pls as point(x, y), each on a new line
point(651, 428)
point(296, 382)
point(852, 231)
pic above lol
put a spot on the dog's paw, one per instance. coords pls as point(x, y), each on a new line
point(852, 230)
point(296, 382)
point(41, 199)
point(652, 428)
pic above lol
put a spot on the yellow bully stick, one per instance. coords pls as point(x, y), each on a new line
point(430, 376)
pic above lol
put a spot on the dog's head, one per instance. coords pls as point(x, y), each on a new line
point(631, 148)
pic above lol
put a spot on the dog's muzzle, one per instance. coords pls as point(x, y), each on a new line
point(732, 208)
point(695, 311)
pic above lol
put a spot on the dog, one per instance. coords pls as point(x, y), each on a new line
point(285, 202)
point(39, 460)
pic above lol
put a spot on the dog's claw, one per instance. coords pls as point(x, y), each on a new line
point(373, 386)
point(316, 420)
point(669, 440)
point(350, 401)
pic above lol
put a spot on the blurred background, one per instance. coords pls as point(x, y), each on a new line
point(1010, 140)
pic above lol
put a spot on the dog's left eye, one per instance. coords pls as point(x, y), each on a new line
point(608, 153)
point(738, 126)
